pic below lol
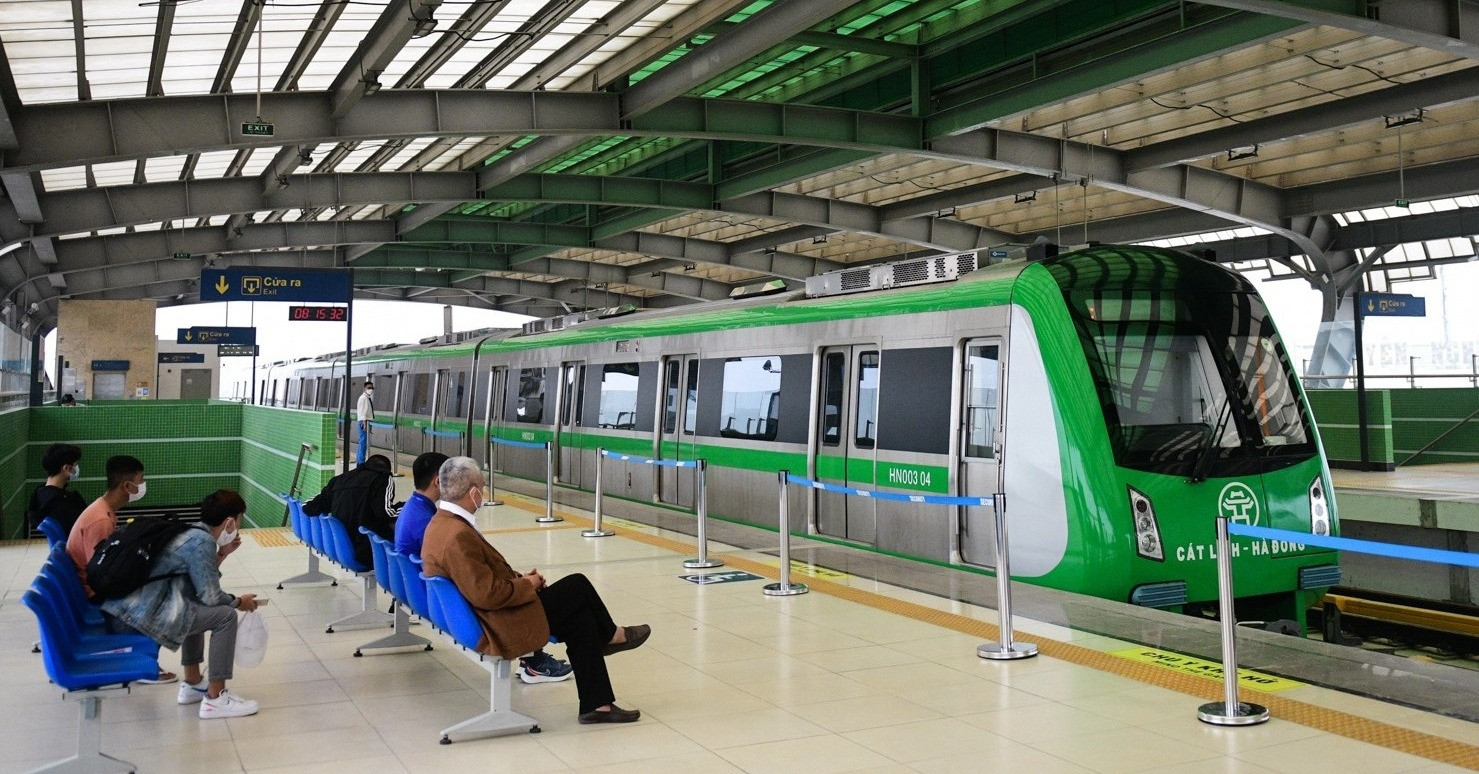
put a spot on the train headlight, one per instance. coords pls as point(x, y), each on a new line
point(1319, 508)
point(1147, 531)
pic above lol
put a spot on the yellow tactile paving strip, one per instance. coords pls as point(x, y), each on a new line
point(1331, 721)
point(273, 537)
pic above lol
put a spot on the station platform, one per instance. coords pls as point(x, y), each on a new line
point(874, 670)
point(1451, 482)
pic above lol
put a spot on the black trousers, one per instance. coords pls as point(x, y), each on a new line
point(578, 618)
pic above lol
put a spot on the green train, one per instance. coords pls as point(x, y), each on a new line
point(1120, 398)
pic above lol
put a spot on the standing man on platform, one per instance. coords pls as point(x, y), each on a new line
point(364, 413)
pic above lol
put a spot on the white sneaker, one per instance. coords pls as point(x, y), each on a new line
point(192, 694)
point(227, 705)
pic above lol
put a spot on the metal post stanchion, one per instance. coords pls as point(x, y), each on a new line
point(1006, 649)
point(595, 530)
point(488, 447)
point(785, 588)
point(1229, 711)
point(703, 559)
point(549, 516)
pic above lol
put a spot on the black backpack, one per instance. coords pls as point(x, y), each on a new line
point(123, 561)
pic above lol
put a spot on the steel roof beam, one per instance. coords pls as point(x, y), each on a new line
point(865, 219)
point(377, 49)
point(163, 26)
point(236, 46)
point(1450, 26)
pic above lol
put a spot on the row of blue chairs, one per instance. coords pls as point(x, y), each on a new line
point(434, 600)
point(326, 536)
point(80, 655)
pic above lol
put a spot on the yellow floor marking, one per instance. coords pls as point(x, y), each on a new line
point(1210, 670)
point(273, 537)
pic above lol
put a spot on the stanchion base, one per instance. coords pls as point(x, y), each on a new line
point(494, 503)
point(995, 652)
point(699, 564)
point(1248, 714)
point(596, 533)
point(548, 519)
point(785, 589)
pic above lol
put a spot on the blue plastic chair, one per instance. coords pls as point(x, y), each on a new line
point(65, 571)
point(335, 535)
point(74, 671)
point(306, 529)
point(88, 643)
point(453, 615)
point(380, 561)
point(53, 531)
point(410, 566)
point(389, 578)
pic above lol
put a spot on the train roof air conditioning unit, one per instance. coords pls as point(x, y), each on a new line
point(914, 271)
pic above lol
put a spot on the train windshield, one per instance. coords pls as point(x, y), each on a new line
point(1193, 377)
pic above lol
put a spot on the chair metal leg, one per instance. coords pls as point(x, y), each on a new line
point(89, 758)
point(402, 638)
point(500, 719)
point(314, 575)
point(369, 616)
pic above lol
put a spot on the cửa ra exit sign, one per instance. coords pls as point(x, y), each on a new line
point(256, 128)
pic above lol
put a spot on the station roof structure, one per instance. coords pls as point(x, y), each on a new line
point(543, 156)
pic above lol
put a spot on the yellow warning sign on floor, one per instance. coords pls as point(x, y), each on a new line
point(809, 570)
point(1247, 678)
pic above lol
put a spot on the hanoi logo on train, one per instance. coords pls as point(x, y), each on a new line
point(1240, 505)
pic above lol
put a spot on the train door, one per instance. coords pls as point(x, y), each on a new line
point(679, 414)
point(980, 447)
point(493, 414)
point(848, 413)
point(570, 404)
point(397, 390)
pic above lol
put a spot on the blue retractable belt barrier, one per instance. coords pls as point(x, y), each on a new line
point(903, 498)
point(383, 425)
point(649, 461)
point(1436, 555)
point(524, 444)
point(441, 433)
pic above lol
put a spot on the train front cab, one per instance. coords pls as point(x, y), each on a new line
point(1204, 416)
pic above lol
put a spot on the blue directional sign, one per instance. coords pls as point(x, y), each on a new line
point(182, 357)
point(266, 283)
point(1393, 305)
point(202, 334)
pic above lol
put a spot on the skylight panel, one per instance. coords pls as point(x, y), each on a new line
point(339, 47)
point(38, 42)
point(213, 164)
point(258, 161)
point(200, 33)
point(114, 173)
point(64, 178)
point(407, 152)
point(272, 45)
point(163, 169)
point(444, 161)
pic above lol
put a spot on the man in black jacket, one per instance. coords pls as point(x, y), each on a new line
point(62, 462)
point(364, 497)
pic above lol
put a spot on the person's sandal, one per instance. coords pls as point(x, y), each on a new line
point(636, 635)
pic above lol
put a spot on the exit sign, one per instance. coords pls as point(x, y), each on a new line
point(256, 129)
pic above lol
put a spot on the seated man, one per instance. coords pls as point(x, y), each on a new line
point(62, 463)
point(126, 485)
point(185, 600)
point(520, 611)
point(410, 528)
point(363, 497)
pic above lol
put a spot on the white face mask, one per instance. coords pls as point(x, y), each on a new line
point(77, 471)
point(139, 495)
point(479, 504)
point(227, 537)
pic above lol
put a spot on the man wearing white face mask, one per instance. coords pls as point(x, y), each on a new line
point(185, 600)
point(125, 485)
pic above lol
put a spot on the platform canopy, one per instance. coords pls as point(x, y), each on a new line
point(543, 156)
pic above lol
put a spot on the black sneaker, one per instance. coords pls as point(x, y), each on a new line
point(544, 668)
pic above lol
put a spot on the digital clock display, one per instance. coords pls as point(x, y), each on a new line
point(317, 313)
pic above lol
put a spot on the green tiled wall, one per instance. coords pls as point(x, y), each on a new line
point(14, 430)
point(189, 449)
point(270, 441)
point(1421, 415)
point(1335, 414)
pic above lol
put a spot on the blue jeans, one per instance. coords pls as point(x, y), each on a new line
point(364, 444)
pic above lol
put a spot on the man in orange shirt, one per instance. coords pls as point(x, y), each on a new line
point(98, 521)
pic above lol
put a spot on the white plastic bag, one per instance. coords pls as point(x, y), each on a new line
point(251, 639)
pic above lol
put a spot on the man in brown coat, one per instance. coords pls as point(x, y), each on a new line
point(520, 611)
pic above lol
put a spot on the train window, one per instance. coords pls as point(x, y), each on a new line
point(690, 403)
point(530, 408)
point(456, 390)
point(750, 402)
point(618, 408)
point(833, 388)
point(418, 398)
point(914, 400)
point(866, 435)
point(983, 386)
point(670, 392)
